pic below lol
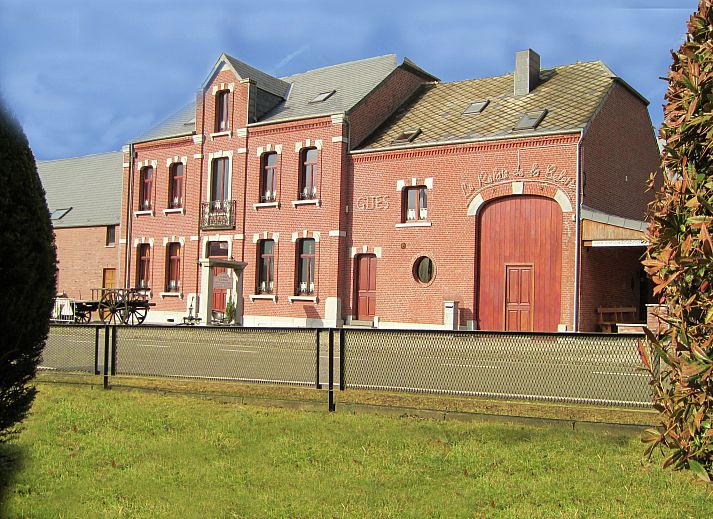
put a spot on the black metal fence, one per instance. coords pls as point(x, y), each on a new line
point(582, 368)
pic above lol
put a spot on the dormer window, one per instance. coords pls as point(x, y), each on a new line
point(476, 107)
point(322, 97)
point(530, 120)
point(407, 136)
point(58, 214)
point(222, 111)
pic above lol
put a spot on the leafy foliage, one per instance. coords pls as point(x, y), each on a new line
point(27, 274)
point(680, 258)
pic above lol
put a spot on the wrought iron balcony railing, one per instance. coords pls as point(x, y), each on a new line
point(218, 214)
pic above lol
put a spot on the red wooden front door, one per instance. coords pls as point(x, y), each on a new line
point(518, 298)
point(219, 296)
point(366, 287)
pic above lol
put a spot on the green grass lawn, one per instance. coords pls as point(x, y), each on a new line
point(86, 453)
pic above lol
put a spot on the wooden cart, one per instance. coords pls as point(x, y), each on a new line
point(113, 305)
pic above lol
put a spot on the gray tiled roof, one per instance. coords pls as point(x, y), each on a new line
point(183, 122)
point(263, 80)
point(351, 81)
point(90, 185)
point(571, 94)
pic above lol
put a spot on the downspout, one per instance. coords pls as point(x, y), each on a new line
point(200, 201)
point(129, 206)
point(577, 232)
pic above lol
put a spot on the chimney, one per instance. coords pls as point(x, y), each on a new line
point(527, 71)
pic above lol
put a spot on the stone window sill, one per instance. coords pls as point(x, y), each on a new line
point(311, 201)
point(308, 299)
point(261, 205)
point(413, 224)
point(171, 294)
point(175, 210)
point(267, 297)
point(220, 134)
point(144, 213)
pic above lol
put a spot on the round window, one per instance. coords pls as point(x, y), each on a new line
point(423, 269)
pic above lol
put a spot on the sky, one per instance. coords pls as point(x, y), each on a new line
point(87, 76)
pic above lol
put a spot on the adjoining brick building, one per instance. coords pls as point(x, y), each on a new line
point(370, 193)
point(84, 198)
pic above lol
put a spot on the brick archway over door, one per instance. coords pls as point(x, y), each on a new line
point(519, 268)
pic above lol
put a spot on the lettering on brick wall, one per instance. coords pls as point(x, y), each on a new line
point(534, 172)
point(372, 203)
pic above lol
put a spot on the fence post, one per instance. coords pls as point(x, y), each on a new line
point(96, 350)
point(317, 385)
point(330, 391)
point(342, 348)
point(113, 350)
point(106, 357)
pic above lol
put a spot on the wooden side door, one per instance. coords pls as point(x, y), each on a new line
point(366, 287)
point(519, 292)
point(109, 278)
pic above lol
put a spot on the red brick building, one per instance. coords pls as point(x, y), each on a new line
point(370, 193)
point(84, 198)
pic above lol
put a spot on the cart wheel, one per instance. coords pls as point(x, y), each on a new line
point(136, 309)
point(110, 307)
point(82, 316)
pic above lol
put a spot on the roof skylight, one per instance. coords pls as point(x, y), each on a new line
point(530, 120)
point(407, 136)
point(322, 97)
point(58, 214)
point(476, 107)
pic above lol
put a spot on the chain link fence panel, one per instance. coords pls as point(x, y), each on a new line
point(73, 348)
point(579, 368)
point(271, 355)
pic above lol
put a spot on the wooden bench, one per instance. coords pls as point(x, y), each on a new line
point(610, 316)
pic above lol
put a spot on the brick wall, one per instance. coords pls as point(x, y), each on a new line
point(460, 175)
point(82, 255)
point(375, 108)
point(619, 152)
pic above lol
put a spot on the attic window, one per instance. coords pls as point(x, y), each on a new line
point(407, 136)
point(322, 97)
point(58, 214)
point(476, 107)
point(530, 120)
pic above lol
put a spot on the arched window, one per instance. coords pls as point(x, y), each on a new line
point(308, 174)
point(268, 177)
point(143, 266)
point(266, 267)
point(414, 204)
point(173, 267)
point(145, 188)
point(175, 186)
point(222, 111)
point(305, 266)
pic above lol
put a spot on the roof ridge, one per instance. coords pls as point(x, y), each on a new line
point(344, 63)
point(578, 63)
point(45, 161)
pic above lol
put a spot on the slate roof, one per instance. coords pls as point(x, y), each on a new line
point(90, 185)
point(571, 94)
point(351, 81)
point(183, 122)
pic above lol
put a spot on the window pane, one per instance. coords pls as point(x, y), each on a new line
point(311, 156)
point(268, 246)
point(424, 270)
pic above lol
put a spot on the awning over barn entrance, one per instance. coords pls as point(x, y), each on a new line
point(600, 229)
